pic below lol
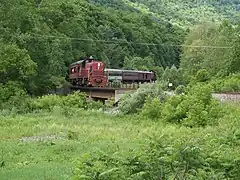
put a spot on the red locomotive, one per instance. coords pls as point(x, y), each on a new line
point(88, 72)
point(92, 73)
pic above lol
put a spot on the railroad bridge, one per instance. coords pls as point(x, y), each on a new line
point(104, 93)
point(116, 93)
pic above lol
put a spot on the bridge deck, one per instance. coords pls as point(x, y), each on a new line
point(100, 88)
point(104, 93)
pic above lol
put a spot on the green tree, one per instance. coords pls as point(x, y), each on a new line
point(16, 64)
point(212, 48)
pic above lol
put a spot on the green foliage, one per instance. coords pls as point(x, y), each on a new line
point(99, 165)
point(172, 153)
point(13, 96)
point(94, 105)
point(195, 107)
point(16, 99)
point(139, 63)
point(158, 71)
point(49, 145)
point(180, 90)
point(40, 41)
point(202, 75)
point(170, 111)
point(216, 60)
point(47, 102)
point(172, 76)
point(229, 84)
point(186, 13)
point(74, 100)
point(116, 84)
point(192, 106)
point(16, 64)
point(132, 102)
point(152, 109)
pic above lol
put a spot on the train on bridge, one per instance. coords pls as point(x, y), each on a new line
point(89, 72)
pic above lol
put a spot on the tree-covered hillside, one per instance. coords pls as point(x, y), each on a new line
point(40, 39)
point(188, 12)
point(182, 12)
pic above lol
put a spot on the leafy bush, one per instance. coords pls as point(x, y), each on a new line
point(227, 84)
point(101, 165)
point(91, 105)
point(172, 153)
point(14, 98)
point(172, 75)
point(231, 84)
point(133, 102)
point(180, 89)
point(195, 108)
point(47, 102)
point(171, 111)
point(202, 75)
point(152, 108)
point(74, 100)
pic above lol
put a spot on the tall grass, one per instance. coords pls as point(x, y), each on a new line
point(60, 145)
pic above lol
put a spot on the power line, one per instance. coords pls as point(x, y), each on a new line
point(127, 42)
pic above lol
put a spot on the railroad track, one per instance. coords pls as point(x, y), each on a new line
point(229, 96)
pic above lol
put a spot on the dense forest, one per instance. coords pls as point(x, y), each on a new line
point(39, 39)
point(185, 13)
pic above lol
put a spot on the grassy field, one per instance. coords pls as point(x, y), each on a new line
point(47, 145)
point(55, 141)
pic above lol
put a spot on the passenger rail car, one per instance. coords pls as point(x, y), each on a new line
point(129, 76)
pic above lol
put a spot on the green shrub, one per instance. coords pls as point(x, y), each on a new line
point(180, 89)
point(152, 109)
point(103, 166)
point(133, 102)
point(47, 102)
point(171, 112)
point(227, 84)
point(70, 102)
point(75, 100)
point(14, 98)
point(91, 105)
point(231, 84)
point(202, 75)
point(195, 108)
